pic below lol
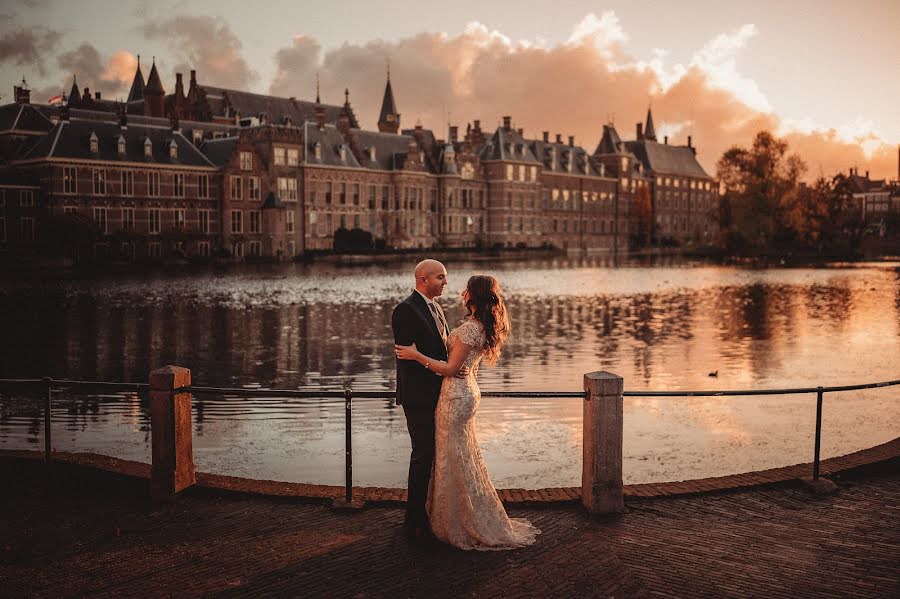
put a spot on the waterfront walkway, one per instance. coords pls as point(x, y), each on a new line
point(73, 531)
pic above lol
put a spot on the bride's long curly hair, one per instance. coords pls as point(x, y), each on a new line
point(485, 304)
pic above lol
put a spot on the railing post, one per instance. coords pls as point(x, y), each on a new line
point(170, 423)
point(818, 434)
point(601, 478)
point(348, 449)
point(48, 439)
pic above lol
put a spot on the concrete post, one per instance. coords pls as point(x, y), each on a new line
point(601, 477)
point(170, 424)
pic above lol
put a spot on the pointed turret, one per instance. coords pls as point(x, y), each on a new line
point(74, 94)
point(154, 94)
point(137, 85)
point(610, 143)
point(649, 130)
point(389, 119)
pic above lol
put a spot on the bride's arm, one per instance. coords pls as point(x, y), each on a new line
point(458, 354)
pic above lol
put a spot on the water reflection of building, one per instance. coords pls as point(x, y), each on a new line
point(212, 170)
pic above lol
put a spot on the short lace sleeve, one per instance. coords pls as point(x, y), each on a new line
point(470, 334)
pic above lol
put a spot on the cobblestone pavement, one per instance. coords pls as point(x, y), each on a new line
point(75, 532)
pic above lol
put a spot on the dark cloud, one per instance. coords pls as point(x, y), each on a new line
point(27, 46)
point(110, 76)
point(206, 44)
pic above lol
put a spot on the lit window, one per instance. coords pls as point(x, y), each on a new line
point(173, 150)
point(99, 179)
point(95, 143)
point(293, 157)
point(148, 148)
point(287, 189)
point(247, 161)
point(70, 179)
point(278, 156)
point(121, 145)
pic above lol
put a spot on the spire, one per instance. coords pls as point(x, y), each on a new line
point(137, 86)
point(610, 142)
point(318, 100)
point(154, 94)
point(649, 130)
point(389, 120)
point(74, 94)
point(153, 82)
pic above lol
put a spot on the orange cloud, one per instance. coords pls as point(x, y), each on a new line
point(571, 88)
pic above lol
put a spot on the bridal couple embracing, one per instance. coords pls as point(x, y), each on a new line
point(450, 495)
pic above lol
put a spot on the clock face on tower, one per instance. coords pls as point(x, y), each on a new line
point(467, 171)
point(389, 118)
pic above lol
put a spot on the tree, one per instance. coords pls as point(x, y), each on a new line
point(642, 214)
point(758, 183)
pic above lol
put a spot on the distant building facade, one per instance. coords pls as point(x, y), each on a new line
point(212, 171)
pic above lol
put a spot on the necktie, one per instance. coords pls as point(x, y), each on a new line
point(439, 319)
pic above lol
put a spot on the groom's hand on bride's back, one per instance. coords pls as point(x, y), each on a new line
point(463, 373)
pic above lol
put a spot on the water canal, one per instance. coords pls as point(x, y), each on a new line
point(662, 325)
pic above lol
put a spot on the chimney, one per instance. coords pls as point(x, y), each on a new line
point(97, 95)
point(521, 132)
point(666, 140)
point(867, 174)
point(559, 138)
point(546, 136)
point(689, 142)
point(571, 141)
point(477, 125)
point(87, 93)
point(179, 86)
point(639, 131)
point(454, 133)
point(506, 122)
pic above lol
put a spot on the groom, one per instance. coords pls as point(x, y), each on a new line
point(419, 319)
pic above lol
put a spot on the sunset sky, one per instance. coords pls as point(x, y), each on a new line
point(824, 74)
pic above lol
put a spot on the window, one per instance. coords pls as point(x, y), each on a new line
point(95, 143)
point(385, 197)
point(278, 156)
point(204, 220)
point(154, 249)
point(203, 248)
point(509, 172)
point(99, 179)
point(254, 221)
point(127, 183)
point(235, 184)
point(253, 192)
point(287, 189)
point(355, 193)
point(328, 192)
point(202, 186)
point(2, 229)
point(178, 180)
point(153, 184)
point(372, 195)
point(289, 221)
point(236, 221)
point(70, 179)
point(26, 227)
point(70, 210)
point(121, 146)
point(342, 193)
point(26, 198)
point(311, 223)
point(247, 161)
point(100, 219)
point(179, 218)
point(173, 150)
point(534, 173)
point(293, 157)
point(148, 148)
point(154, 220)
point(521, 170)
point(254, 248)
point(128, 219)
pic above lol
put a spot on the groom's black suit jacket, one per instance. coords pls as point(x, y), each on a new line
point(412, 322)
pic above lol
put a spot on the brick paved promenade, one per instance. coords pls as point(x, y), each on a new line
point(87, 532)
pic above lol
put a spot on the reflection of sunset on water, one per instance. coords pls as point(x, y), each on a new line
point(661, 327)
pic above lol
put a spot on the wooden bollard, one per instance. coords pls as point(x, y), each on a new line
point(601, 476)
point(170, 424)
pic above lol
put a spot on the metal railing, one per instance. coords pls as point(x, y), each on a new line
point(348, 394)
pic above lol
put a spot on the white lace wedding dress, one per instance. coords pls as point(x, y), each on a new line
point(464, 509)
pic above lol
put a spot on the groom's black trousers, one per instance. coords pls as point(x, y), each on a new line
point(420, 423)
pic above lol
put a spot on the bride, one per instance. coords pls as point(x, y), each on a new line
point(464, 509)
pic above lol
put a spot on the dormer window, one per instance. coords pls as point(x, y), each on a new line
point(372, 153)
point(318, 151)
point(121, 145)
point(343, 151)
point(148, 148)
point(95, 143)
point(587, 166)
point(173, 150)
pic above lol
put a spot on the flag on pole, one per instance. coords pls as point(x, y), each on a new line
point(55, 100)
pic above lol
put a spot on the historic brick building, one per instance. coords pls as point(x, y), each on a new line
point(214, 171)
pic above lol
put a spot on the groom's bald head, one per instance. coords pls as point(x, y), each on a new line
point(431, 278)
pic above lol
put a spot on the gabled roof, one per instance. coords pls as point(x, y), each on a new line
point(274, 107)
point(664, 158)
point(565, 154)
point(507, 144)
point(71, 139)
point(154, 84)
point(387, 146)
point(610, 143)
point(861, 184)
point(330, 141)
point(23, 117)
point(219, 151)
